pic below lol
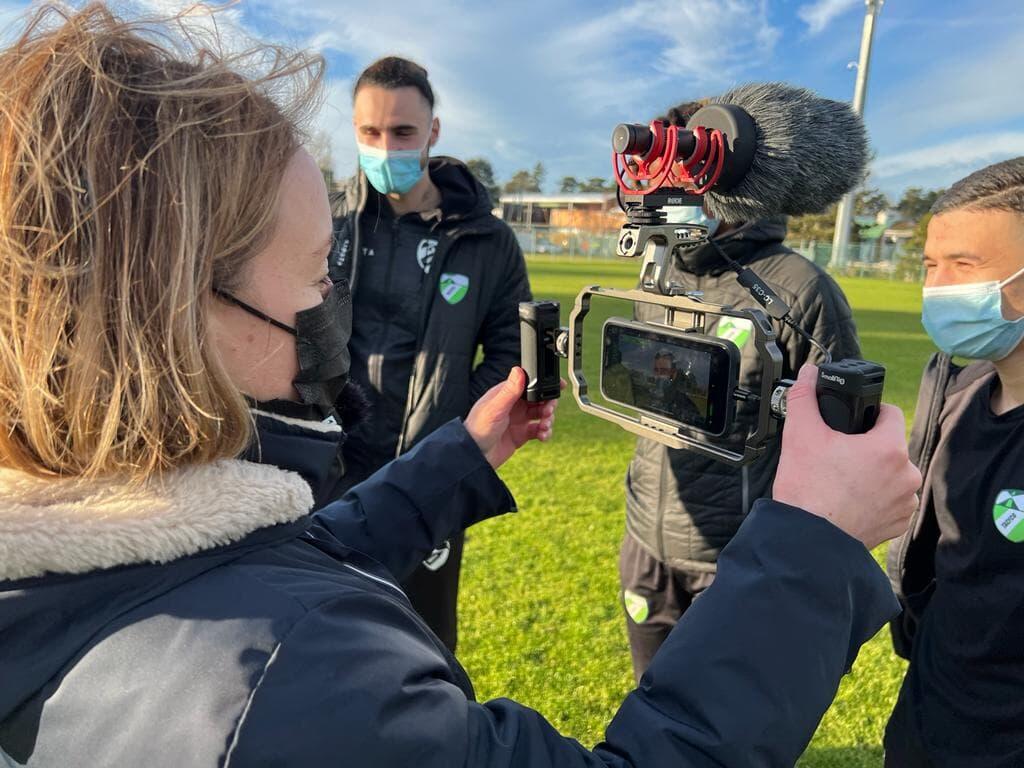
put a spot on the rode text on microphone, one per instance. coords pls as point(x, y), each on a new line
point(757, 151)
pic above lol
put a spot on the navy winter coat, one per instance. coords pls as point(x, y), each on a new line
point(209, 620)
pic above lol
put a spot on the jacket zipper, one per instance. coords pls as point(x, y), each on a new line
point(659, 526)
point(377, 373)
point(358, 211)
point(433, 280)
point(935, 405)
point(387, 292)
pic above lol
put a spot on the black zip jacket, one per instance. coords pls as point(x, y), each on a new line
point(910, 561)
point(682, 507)
point(427, 292)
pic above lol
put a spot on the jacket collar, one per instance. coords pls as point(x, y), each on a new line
point(463, 198)
point(310, 448)
point(75, 526)
point(745, 244)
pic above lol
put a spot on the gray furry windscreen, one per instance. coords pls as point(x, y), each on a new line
point(810, 151)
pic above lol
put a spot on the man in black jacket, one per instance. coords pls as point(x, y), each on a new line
point(434, 276)
point(682, 508)
point(958, 570)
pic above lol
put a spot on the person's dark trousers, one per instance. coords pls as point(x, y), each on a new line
point(654, 596)
point(435, 594)
point(903, 747)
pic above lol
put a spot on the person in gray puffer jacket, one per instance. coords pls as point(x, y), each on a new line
point(683, 508)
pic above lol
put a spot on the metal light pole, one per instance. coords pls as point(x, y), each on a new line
point(843, 213)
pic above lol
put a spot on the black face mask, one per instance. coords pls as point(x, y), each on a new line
point(321, 341)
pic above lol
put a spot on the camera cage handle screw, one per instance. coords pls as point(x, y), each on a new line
point(560, 342)
point(778, 401)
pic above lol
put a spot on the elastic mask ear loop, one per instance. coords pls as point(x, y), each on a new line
point(255, 312)
point(1011, 278)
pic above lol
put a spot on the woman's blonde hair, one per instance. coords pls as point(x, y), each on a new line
point(139, 168)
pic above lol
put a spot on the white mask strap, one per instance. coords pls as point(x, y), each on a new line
point(1012, 277)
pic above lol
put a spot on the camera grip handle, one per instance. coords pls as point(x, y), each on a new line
point(849, 395)
point(538, 330)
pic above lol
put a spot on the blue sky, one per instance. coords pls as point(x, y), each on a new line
point(547, 80)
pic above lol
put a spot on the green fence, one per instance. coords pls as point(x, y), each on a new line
point(891, 261)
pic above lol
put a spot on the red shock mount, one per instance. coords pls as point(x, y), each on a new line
point(661, 165)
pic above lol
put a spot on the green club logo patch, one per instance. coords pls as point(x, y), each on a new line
point(636, 606)
point(454, 287)
point(1008, 513)
point(735, 329)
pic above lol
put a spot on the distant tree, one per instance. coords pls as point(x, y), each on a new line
point(908, 265)
point(916, 241)
point(522, 181)
point(568, 185)
point(597, 184)
point(870, 202)
point(484, 173)
point(538, 174)
point(817, 227)
point(916, 202)
point(821, 227)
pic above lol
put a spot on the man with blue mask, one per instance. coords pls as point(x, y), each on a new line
point(434, 275)
point(959, 570)
point(681, 508)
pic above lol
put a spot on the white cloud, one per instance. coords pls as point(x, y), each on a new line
point(518, 82)
point(225, 23)
point(216, 24)
point(454, 53)
point(525, 81)
point(334, 120)
point(818, 15)
point(960, 91)
point(536, 80)
point(12, 17)
point(939, 165)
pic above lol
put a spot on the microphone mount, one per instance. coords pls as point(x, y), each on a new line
point(713, 152)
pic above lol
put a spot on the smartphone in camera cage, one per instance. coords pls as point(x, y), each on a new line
point(671, 375)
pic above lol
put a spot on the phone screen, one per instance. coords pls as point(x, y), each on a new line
point(682, 377)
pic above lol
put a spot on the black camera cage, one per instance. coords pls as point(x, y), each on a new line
point(689, 313)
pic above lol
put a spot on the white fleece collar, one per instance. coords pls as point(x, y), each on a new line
point(71, 526)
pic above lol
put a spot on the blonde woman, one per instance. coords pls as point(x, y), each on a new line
point(163, 244)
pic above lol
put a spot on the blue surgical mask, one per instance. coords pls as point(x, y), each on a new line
point(691, 214)
point(391, 170)
point(967, 320)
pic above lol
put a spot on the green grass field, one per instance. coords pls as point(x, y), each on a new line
point(540, 619)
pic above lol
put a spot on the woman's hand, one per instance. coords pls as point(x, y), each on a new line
point(501, 421)
point(865, 484)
